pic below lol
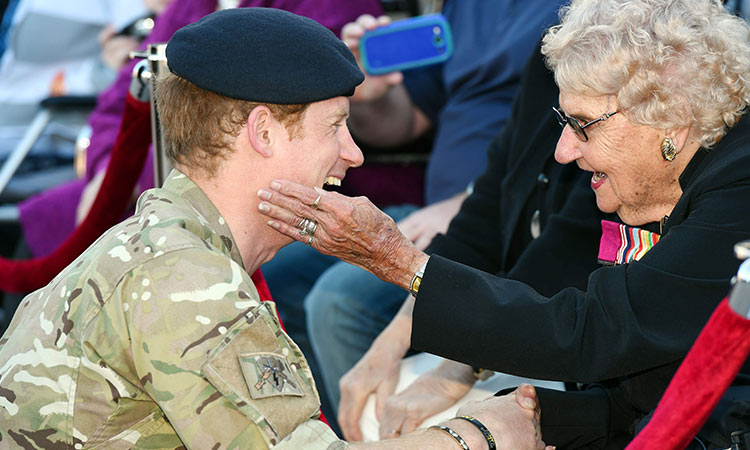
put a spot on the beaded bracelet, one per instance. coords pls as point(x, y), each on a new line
point(487, 435)
point(454, 435)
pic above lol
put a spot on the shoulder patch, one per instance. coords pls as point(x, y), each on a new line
point(269, 375)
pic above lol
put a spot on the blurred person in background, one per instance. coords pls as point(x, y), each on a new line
point(57, 49)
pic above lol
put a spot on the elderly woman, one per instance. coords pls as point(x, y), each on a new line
point(652, 96)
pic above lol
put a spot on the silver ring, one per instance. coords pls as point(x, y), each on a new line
point(307, 227)
point(316, 203)
point(311, 227)
point(310, 240)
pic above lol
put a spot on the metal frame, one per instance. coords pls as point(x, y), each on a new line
point(739, 296)
point(23, 148)
point(156, 56)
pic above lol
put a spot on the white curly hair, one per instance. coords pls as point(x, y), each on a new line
point(671, 63)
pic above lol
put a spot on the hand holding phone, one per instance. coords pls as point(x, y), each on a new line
point(406, 44)
point(375, 86)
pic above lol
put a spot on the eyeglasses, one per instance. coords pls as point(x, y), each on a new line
point(564, 119)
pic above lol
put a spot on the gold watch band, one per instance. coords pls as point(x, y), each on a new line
point(416, 280)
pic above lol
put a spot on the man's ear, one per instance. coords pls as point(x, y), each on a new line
point(259, 130)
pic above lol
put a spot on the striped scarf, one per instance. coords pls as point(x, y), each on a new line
point(621, 244)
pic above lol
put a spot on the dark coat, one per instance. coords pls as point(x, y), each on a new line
point(629, 326)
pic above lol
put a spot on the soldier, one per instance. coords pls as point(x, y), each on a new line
point(155, 336)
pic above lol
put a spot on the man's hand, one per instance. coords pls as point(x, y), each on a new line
point(115, 49)
point(433, 392)
point(374, 86)
point(513, 420)
point(377, 372)
point(423, 225)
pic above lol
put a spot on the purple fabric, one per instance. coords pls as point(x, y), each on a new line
point(386, 184)
point(58, 205)
point(333, 14)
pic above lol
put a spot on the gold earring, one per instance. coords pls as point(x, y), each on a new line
point(668, 150)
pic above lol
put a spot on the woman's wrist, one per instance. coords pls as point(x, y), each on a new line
point(396, 260)
point(413, 267)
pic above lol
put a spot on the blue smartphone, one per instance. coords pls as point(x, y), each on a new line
point(406, 44)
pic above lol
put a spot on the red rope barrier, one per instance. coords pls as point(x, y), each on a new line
point(703, 377)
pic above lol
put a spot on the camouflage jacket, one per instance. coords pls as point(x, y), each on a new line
point(155, 338)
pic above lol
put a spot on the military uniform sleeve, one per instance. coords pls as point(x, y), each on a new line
point(214, 358)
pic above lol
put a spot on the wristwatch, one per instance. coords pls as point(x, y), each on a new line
point(416, 280)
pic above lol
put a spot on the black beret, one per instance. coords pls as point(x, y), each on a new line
point(264, 55)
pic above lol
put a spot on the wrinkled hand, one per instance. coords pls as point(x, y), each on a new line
point(513, 419)
point(349, 228)
point(423, 225)
point(377, 372)
point(374, 86)
point(433, 392)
